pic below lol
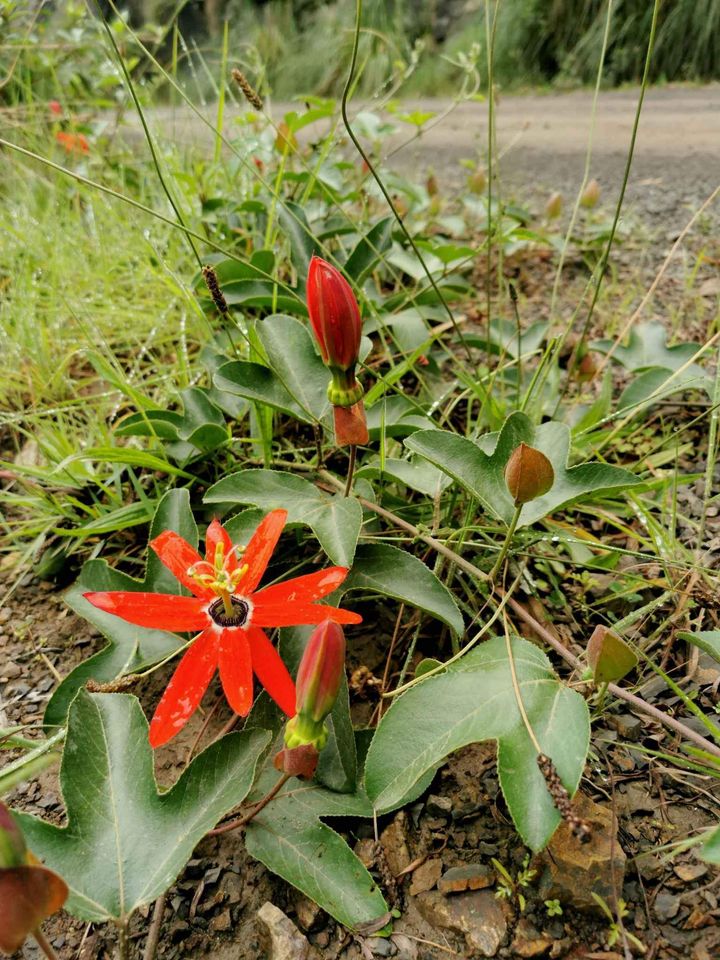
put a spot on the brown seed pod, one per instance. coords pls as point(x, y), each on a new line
point(528, 474)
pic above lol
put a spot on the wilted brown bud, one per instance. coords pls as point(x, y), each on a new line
point(431, 185)
point(351, 425)
point(610, 658)
point(298, 762)
point(477, 181)
point(285, 140)
point(553, 208)
point(28, 892)
point(587, 368)
point(590, 195)
point(528, 474)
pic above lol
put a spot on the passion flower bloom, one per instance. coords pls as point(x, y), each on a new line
point(335, 320)
point(230, 612)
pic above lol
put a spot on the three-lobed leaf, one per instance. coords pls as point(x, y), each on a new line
point(479, 466)
point(476, 700)
point(335, 520)
point(125, 843)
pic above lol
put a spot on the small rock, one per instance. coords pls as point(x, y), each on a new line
point(690, 871)
point(438, 806)
point(528, 942)
point(222, 922)
point(381, 947)
point(308, 913)
point(407, 949)
point(425, 877)
point(574, 870)
point(283, 940)
point(11, 671)
point(478, 915)
point(394, 843)
point(473, 876)
point(629, 727)
point(231, 887)
point(636, 799)
point(365, 852)
point(666, 906)
point(650, 866)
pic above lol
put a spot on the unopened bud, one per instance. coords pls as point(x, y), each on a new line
point(528, 474)
point(318, 682)
point(334, 315)
point(590, 195)
point(431, 185)
point(13, 852)
point(553, 208)
point(609, 656)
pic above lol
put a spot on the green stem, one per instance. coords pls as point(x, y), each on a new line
point(381, 185)
point(508, 539)
point(44, 944)
point(626, 176)
point(351, 470)
point(260, 805)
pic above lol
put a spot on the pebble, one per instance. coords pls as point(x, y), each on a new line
point(478, 915)
point(426, 876)
point(473, 876)
point(394, 843)
point(529, 942)
point(573, 870)
point(283, 940)
point(666, 906)
point(628, 726)
point(438, 806)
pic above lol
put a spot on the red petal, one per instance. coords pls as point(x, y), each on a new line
point(297, 614)
point(162, 611)
point(236, 670)
point(216, 534)
point(178, 556)
point(260, 549)
point(313, 586)
point(186, 688)
point(271, 671)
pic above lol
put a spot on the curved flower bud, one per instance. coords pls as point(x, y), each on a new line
point(528, 474)
point(335, 320)
point(318, 682)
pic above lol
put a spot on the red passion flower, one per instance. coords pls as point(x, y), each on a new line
point(230, 612)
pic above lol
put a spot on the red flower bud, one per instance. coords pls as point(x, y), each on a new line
point(318, 681)
point(335, 319)
point(55, 107)
point(528, 474)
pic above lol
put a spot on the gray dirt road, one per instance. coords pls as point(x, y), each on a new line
point(542, 140)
